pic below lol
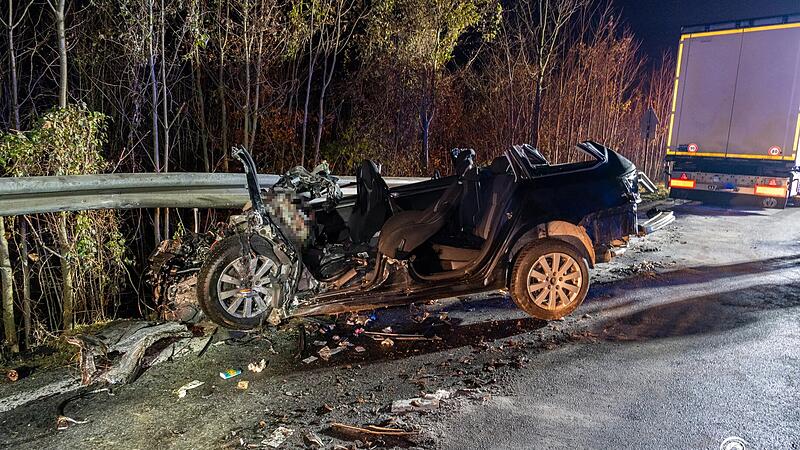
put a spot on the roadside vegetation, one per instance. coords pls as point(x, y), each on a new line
point(167, 85)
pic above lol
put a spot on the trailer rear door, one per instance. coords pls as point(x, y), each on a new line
point(767, 99)
point(705, 97)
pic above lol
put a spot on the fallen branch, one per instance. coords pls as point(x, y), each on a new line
point(373, 430)
point(379, 336)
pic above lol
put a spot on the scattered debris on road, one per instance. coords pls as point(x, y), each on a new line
point(648, 268)
point(243, 385)
point(278, 437)
point(325, 352)
point(181, 391)
point(12, 375)
point(230, 373)
point(427, 402)
point(64, 422)
point(311, 440)
point(257, 367)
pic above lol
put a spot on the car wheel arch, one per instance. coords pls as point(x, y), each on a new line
point(570, 233)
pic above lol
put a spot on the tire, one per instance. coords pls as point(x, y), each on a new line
point(536, 292)
point(218, 296)
point(774, 203)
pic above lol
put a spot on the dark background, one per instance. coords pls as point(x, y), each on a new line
point(657, 23)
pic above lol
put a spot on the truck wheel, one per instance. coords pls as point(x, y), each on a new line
point(771, 202)
point(235, 290)
point(550, 279)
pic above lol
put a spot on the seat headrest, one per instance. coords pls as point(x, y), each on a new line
point(500, 165)
point(464, 160)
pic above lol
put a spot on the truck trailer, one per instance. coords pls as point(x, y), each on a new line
point(734, 127)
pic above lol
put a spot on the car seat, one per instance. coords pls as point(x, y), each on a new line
point(407, 230)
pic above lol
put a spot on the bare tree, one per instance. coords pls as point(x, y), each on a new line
point(223, 33)
point(59, 14)
point(335, 33)
point(308, 33)
point(65, 245)
point(11, 23)
point(540, 30)
point(154, 111)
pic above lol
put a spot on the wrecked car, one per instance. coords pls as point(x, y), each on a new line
point(520, 224)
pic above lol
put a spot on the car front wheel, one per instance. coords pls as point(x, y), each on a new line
point(235, 288)
point(550, 279)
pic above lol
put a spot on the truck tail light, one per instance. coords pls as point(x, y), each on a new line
point(681, 183)
point(770, 191)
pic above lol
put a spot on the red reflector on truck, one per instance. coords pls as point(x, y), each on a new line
point(681, 183)
point(770, 191)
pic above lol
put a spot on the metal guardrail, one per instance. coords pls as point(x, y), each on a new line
point(647, 183)
point(657, 222)
point(32, 195)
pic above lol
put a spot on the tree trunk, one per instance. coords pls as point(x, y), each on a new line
point(224, 118)
point(165, 118)
point(257, 93)
point(62, 54)
point(201, 114)
point(6, 284)
point(12, 56)
point(426, 126)
point(305, 107)
point(321, 118)
point(61, 219)
point(26, 276)
point(26, 281)
point(223, 108)
point(312, 60)
point(247, 43)
point(536, 114)
point(154, 99)
point(426, 111)
point(65, 247)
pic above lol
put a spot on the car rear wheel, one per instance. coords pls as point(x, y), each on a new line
point(235, 289)
point(550, 279)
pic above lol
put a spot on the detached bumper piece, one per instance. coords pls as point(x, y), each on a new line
point(656, 223)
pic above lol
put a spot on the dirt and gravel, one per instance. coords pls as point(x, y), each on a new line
point(689, 338)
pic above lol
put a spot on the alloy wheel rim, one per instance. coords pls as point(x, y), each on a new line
point(244, 289)
point(554, 281)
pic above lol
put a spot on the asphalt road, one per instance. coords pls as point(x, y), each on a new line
point(705, 349)
point(690, 338)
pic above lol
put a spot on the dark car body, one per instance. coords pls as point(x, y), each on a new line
point(445, 237)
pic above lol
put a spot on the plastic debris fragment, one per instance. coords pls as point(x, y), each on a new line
point(230, 373)
point(181, 391)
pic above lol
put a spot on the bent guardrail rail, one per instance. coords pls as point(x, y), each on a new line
point(33, 195)
point(647, 183)
point(657, 222)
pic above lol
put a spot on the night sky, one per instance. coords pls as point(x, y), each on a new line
point(657, 23)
